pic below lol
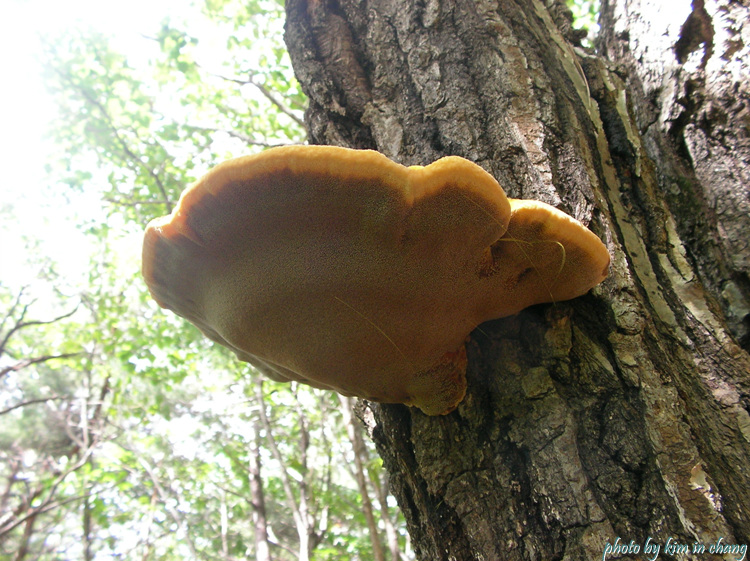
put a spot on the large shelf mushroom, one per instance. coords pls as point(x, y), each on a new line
point(344, 270)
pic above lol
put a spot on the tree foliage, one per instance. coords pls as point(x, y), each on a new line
point(123, 432)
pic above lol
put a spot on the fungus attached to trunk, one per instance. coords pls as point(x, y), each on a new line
point(344, 270)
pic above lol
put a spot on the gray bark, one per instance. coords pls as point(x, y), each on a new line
point(691, 94)
point(623, 413)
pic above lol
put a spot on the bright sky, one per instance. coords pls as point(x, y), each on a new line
point(26, 110)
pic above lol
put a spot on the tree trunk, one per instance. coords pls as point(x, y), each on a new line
point(257, 496)
point(354, 431)
point(621, 414)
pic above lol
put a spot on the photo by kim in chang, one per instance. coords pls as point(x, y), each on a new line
point(652, 550)
point(328, 280)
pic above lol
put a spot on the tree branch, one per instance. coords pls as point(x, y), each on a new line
point(32, 402)
point(10, 313)
point(48, 503)
point(20, 324)
point(29, 361)
point(121, 202)
point(299, 521)
point(115, 131)
point(268, 95)
point(174, 513)
point(243, 137)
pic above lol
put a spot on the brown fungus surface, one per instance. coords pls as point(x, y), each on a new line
point(344, 270)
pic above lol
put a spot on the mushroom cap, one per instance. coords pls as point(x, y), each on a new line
point(344, 270)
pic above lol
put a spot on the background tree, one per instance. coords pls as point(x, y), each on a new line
point(623, 413)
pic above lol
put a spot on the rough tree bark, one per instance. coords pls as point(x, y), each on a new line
point(623, 413)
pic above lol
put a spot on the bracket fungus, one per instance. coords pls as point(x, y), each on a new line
point(344, 270)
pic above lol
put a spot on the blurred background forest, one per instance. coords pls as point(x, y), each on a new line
point(123, 432)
